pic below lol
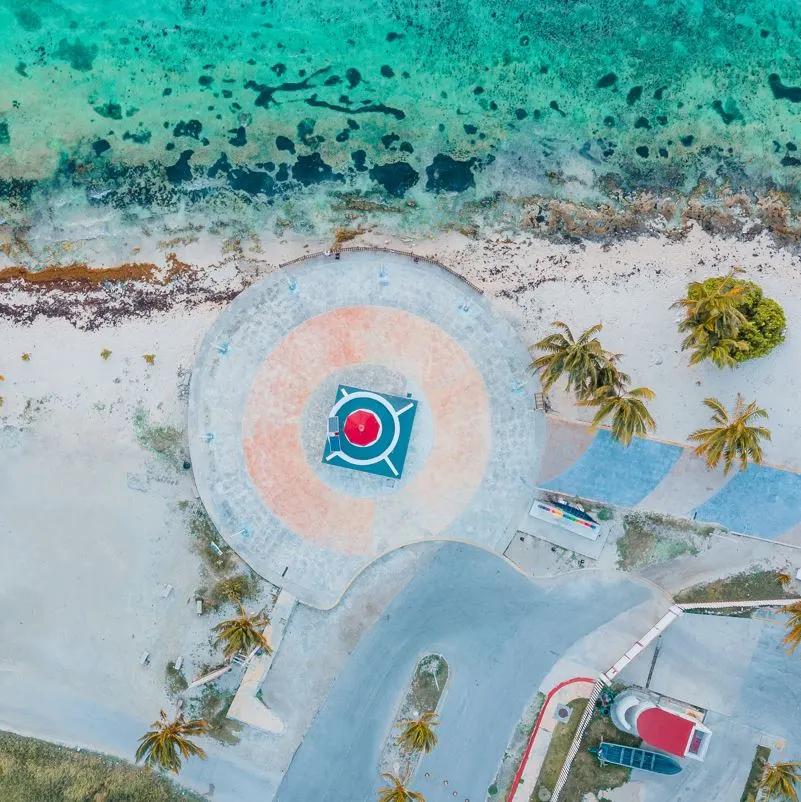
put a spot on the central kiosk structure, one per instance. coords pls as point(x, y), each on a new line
point(369, 431)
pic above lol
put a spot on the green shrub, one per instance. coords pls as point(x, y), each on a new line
point(765, 325)
point(764, 331)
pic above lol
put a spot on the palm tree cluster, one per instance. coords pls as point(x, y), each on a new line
point(594, 377)
point(713, 321)
point(167, 744)
point(728, 320)
point(416, 735)
point(596, 380)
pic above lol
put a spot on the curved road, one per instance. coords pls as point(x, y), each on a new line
point(499, 631)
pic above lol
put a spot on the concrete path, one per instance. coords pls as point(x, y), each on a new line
point(562, 694)
point(246, 706)
point(267, 377)
point(501, 634)
point(763, 501)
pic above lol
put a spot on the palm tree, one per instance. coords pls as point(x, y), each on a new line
point(793, 624)
point(418, 734)
point(168, 743)
point(779, 781)
point(396, 790)
point(242, 634)
point(630, 415)
point(579, 358)
point(609, 376)
point(713, 320)
point(718, 350)
point(733, 437)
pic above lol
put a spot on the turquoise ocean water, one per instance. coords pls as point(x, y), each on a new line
point(311, 113)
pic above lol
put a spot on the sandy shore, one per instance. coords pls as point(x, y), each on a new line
point(627, 286)
point(91, 517)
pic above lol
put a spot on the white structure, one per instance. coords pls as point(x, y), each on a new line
point(676, 733)
point(570, 518)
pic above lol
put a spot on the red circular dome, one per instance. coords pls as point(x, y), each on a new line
point(362, 427)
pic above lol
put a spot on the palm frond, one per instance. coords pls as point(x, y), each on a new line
point(242, 634)
point(417, 735)
point(779, 781)
point(732, 438)
point(630, 415)
point(167, 743)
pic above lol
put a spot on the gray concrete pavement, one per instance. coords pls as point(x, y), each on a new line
point(500, 632)
point(266, 378)
point(770, 699)
point(721, 777)
point(692, 650)
point(739, 670)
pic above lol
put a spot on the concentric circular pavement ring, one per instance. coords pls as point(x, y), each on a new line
point(267, 376)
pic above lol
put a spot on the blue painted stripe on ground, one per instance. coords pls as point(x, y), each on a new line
point(615, 474)
point(759, 501)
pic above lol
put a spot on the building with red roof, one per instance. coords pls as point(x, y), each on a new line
point(671, 731)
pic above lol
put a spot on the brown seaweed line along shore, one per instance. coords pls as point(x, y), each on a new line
point(80, 273)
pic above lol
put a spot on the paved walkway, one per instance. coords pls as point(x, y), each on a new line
point(501, 635)
point(762, 501)
point(266, 378)
point(562, 694)
point(246, 706)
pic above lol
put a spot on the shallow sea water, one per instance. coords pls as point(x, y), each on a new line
point(265, 110)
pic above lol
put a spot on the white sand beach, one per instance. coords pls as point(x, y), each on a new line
point(77, 485)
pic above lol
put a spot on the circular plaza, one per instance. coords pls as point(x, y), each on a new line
point(345, 406)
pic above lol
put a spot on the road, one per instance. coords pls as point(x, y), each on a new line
point(499, 631)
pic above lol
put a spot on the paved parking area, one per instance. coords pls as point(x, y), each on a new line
point(501, 634)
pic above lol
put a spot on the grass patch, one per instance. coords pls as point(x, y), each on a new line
point(563, 734)
point(650, 538)
point(428, 683)
point(586, 774)
point(425, 691)
point(217, 555)
point(176, 681)
point(242, 587)
point(37, 771)
point(755, 775)
point(748, 585)
point(213, 706)
point(166, 442)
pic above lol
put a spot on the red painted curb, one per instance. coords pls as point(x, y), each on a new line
point(548, 698)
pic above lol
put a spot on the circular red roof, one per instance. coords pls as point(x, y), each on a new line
point(362, 427)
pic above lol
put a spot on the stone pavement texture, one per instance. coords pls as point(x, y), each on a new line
point(762, 501)
point(265, 380)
